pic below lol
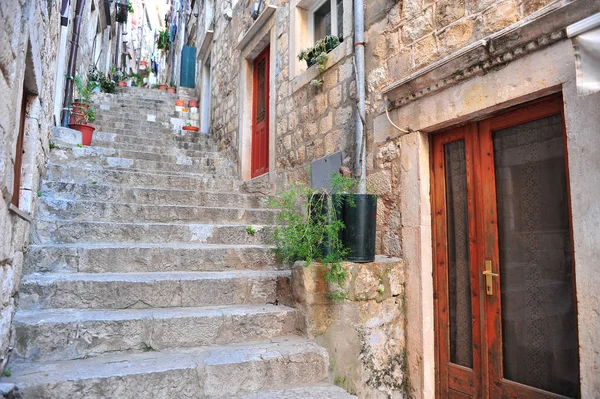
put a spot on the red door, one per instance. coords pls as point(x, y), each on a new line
point(506, 324)
point(260, 115)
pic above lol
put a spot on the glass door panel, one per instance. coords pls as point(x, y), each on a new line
point(539, 336)
point(457, 225)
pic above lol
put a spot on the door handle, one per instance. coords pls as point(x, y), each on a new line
point(488, 277)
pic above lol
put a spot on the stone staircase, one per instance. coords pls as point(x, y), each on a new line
point(142, 279)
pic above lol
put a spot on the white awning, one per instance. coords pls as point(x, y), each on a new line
point(585, 36)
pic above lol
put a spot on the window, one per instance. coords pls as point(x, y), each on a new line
point(324, 22)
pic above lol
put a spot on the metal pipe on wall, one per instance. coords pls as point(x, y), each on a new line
point(359, 56)
point(68, 98)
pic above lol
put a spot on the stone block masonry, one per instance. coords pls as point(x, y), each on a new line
point(28, 43)
point(365, 334)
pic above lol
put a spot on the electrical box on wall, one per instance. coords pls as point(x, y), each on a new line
point(322, 169)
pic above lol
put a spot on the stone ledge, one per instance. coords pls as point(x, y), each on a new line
point(335, 56)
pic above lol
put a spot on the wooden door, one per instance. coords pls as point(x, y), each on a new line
point(260, 115)
point(504, 284)
point(19, 153)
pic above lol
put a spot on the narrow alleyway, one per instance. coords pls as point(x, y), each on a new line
point(143, 278)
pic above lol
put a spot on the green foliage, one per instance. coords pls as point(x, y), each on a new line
point(250, 230)
point(139, 79)
point(7, 372)
point(162, 42)
point(94, 182)
point(130, 6)
point(308, 229)
point(318, 55)
point(79, 146)
point(84, 90)
point(52, 145)
point(147, 348)
point(108, 85)
point(40, 193)
point(89, 114)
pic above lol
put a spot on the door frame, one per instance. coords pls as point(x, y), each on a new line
point(485, 186)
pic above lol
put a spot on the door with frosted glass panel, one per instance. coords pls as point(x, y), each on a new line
point(505, 309)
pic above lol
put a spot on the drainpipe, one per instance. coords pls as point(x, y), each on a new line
point(359, 56)
point(68, 98)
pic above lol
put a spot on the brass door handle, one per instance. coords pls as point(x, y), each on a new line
point(488, 277)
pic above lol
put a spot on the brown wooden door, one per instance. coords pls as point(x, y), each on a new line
point(504, 285)
point(260, 115)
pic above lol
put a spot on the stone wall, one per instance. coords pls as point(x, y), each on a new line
point(365, 334)
point(28, 42)
point(309, 123)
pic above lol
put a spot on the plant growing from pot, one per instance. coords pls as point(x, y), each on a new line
point(190, 128)
point(359, 215)
point(82, 102)
point(87, 131)
point(163, 40)
point(138, 79)
point(317, 55)
point(309, 229)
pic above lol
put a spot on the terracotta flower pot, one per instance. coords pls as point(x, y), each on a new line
point(180, 103)
point(191, 128)
point(162, 87)
point(87, 131)
point(193, 104)
point(122, 84)
point(171, 90)
point(77, 116)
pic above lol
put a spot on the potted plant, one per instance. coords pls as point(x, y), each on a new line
point(163, 40)
point(172, 88)
point(317, 54)
point(190, 128)
point(87, 131)
point(193, 103)
point(359, 215)
point(137, 79)
point(82, 102)
point(162, 86)
point(308, 229)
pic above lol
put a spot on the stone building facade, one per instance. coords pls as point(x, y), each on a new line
point(33, 59)
point(433, 64)
point(27, 64)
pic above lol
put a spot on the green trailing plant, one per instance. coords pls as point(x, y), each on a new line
point(162, 42)
point(308, 229)
point(130, 6)
point(317, 55)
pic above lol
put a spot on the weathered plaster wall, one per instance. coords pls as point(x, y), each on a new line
point(23, 25)
point(365, 334)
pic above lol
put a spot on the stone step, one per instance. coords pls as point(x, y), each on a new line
point(71, 232)
point(130, 178)
point(50, 209)
point(196, 141)
point(220, 168)
point(203, 151)
point(316, 391)
point(165, 257)
point(195, 373)
point(61, 334)
point(152, 290)
point(175, 156)
point(151, 196)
